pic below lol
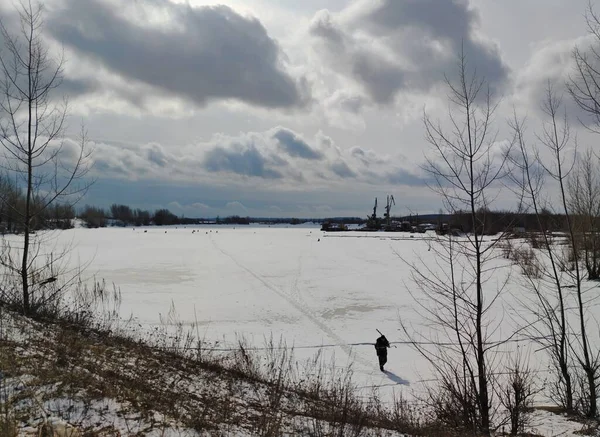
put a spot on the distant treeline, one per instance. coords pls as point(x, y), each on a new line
point(297, 221)
point(233, 220)
point(60, 216)
point(493, 222)
point(123, 215)
point(12, 210)
point(488, 222)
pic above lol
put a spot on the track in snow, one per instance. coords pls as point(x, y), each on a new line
point(299, 306)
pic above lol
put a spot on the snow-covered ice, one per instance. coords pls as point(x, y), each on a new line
point(260, 281)
point(316, 291)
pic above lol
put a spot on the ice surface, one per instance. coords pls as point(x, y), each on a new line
point(258, 281)
point(317, 291)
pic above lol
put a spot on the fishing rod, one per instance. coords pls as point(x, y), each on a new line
point(380, 333)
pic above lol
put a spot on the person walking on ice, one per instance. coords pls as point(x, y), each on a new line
point(381, 346)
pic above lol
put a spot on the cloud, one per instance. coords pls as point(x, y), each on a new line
point(341, 169)
point(72, 86)
point(347, 101)
point(126, 163)
point(294, 146)
point(551, 64)
point(198, 53)
point(343, 109)
point(367, 157)
point(275, 159)
point(394, 46)
point(241, 159)
point(404, 177)
point(156, 154)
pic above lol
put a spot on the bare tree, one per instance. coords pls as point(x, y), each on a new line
point(446, 305)
point(468, 167)
point(565, 278)
point(584, 202)
point(32, 128)
point(517, 396)
point(556, 138)
point(550, 325)
point(584, 83)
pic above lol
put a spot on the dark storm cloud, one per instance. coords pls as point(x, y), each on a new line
point(389, 46)
point(243, 160)
point(208, 52)
point(295, 146)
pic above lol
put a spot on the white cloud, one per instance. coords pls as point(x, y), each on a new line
point(552, 63)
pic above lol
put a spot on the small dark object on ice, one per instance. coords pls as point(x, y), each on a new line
point(319, 239)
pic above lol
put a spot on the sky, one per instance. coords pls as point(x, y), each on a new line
point(290, 108)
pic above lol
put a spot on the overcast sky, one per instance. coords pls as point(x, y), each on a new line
point(290, 108)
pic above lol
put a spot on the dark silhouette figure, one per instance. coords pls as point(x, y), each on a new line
point(381, 346)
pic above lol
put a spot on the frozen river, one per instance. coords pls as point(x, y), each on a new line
point(307, 287)
point(316, 291)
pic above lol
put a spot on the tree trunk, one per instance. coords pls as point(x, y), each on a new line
point(27, 221)
point(476, 229)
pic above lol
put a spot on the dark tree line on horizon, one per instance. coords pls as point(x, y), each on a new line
point(123, 215)
point(59, 215)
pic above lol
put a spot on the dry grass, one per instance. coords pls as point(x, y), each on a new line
point(61, 370)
